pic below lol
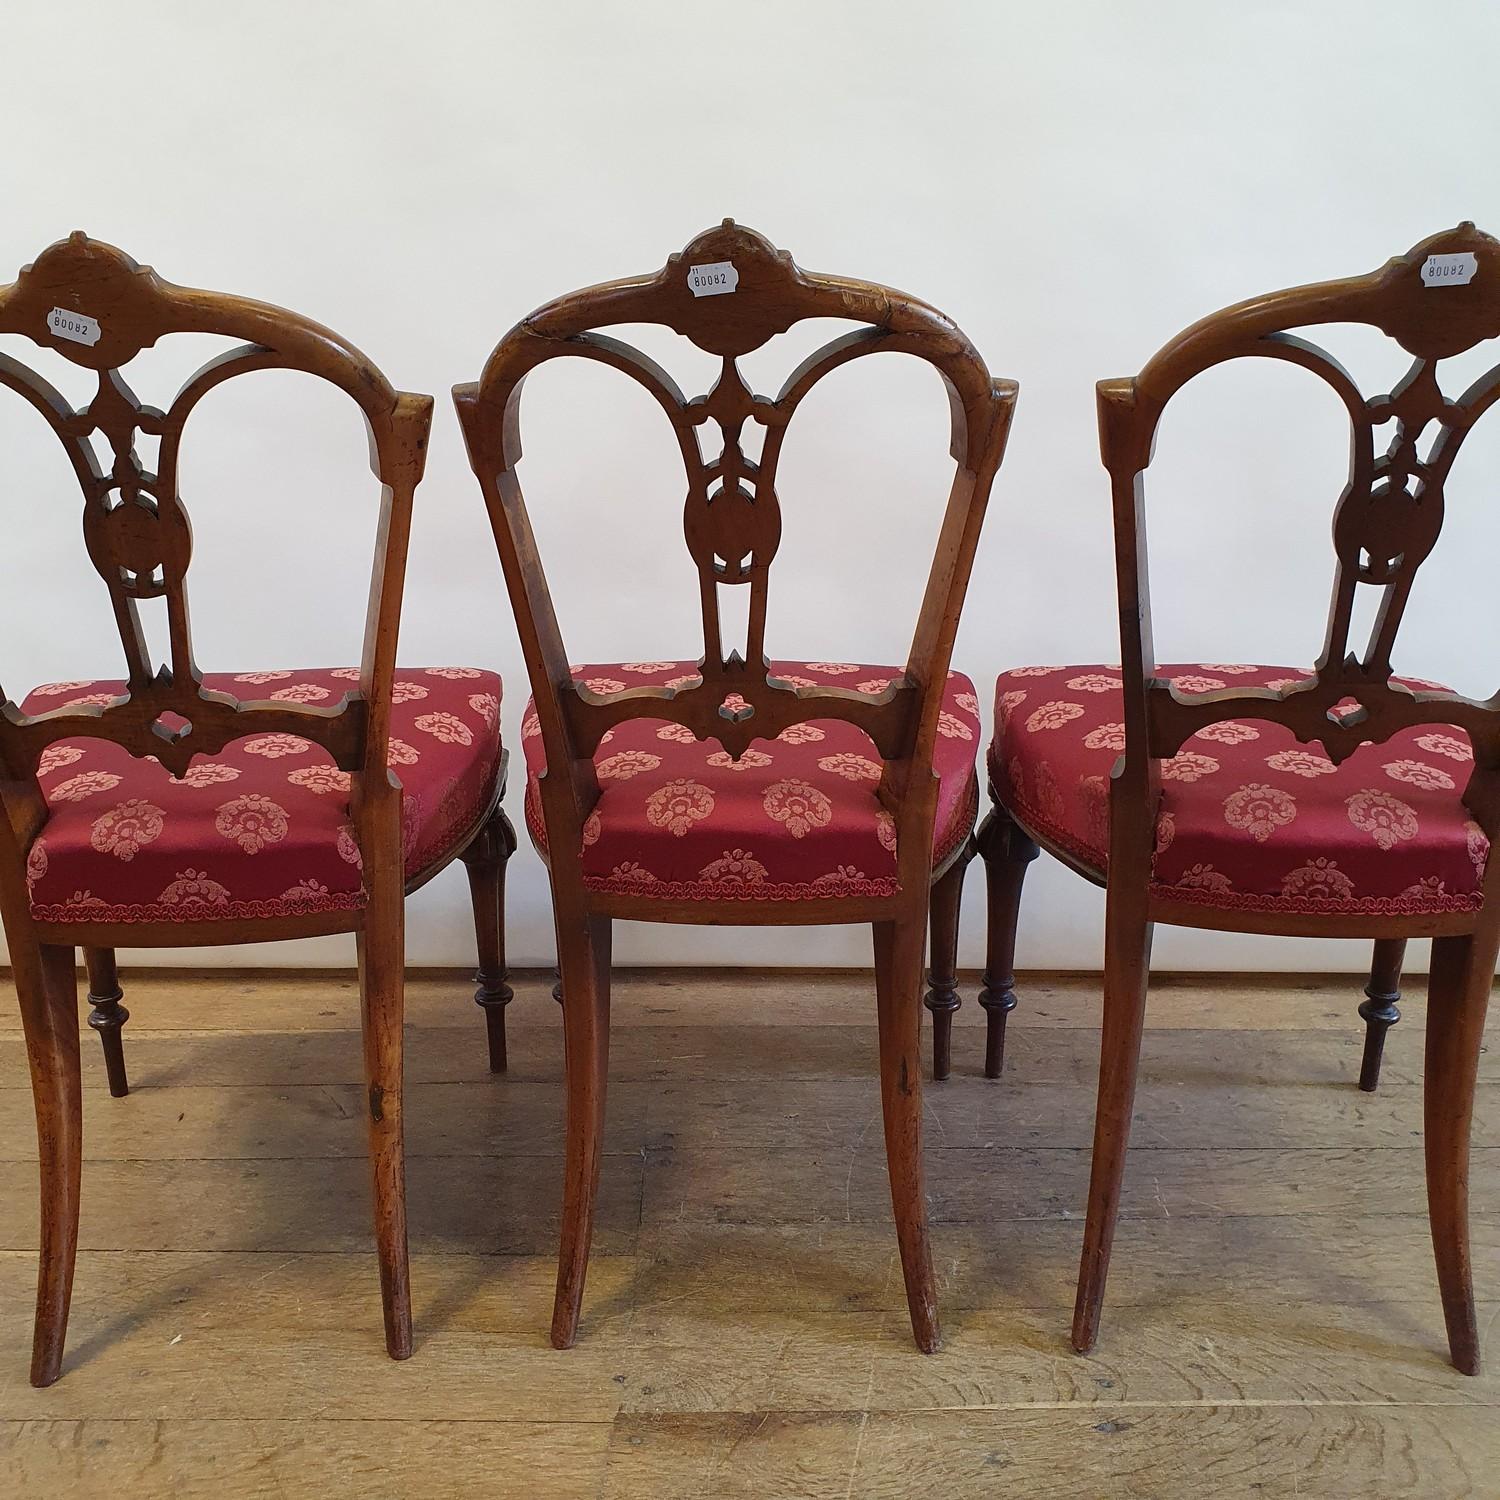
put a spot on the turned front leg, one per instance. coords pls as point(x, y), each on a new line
point(1006, 850)
point(485, 860)
point(108, 1015)
point(942, 997)
point(1379, 1009)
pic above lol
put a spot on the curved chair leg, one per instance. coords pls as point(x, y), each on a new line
point(108, 1015)
point(1379, 1009)
point(1127, 957)
point(583, 956)
point(942, 997)
point(381, 946)
point(485, 860)
point(1457, 998)
point(47, 985)
point(898, 985)
point(1006, 850)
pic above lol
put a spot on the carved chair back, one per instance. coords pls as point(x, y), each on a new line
point(98, 309)
point(1439, 299)
point(729, 292)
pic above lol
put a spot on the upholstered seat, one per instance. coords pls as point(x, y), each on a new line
point(262, 828)
point(794, 819)
point(1249, 817)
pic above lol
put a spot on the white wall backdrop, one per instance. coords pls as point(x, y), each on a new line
point(1072, 183)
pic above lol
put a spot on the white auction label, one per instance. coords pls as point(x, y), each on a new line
point(1449, 270)
point(713, 280)
point(79, 328)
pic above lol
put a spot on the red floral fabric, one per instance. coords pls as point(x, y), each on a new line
point(1250, 817)
point(796, 818)
point(262, 828)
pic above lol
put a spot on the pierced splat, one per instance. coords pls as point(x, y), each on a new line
point(1391, 514)
point(732, 513)
point(732, 521)
point(97, 308)
point(136, 530)
point(732, 518)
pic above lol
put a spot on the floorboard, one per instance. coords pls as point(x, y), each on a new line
point(1273, 1326)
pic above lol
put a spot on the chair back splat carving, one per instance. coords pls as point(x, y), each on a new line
point(1439, 299)
point(729, 292)
point(98, 309)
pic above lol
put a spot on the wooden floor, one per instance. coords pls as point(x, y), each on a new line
point(1273, 1325)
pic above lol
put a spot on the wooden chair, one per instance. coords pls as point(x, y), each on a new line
point(785, 817)
point(174, 808)
point(1338, 802)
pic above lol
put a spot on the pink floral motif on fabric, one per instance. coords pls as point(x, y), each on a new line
point(1249, 817)
point(123, 831)
point(797, 806)
point(751, 760)
point(678, 805)
point(794, 818)
point(261, 828)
